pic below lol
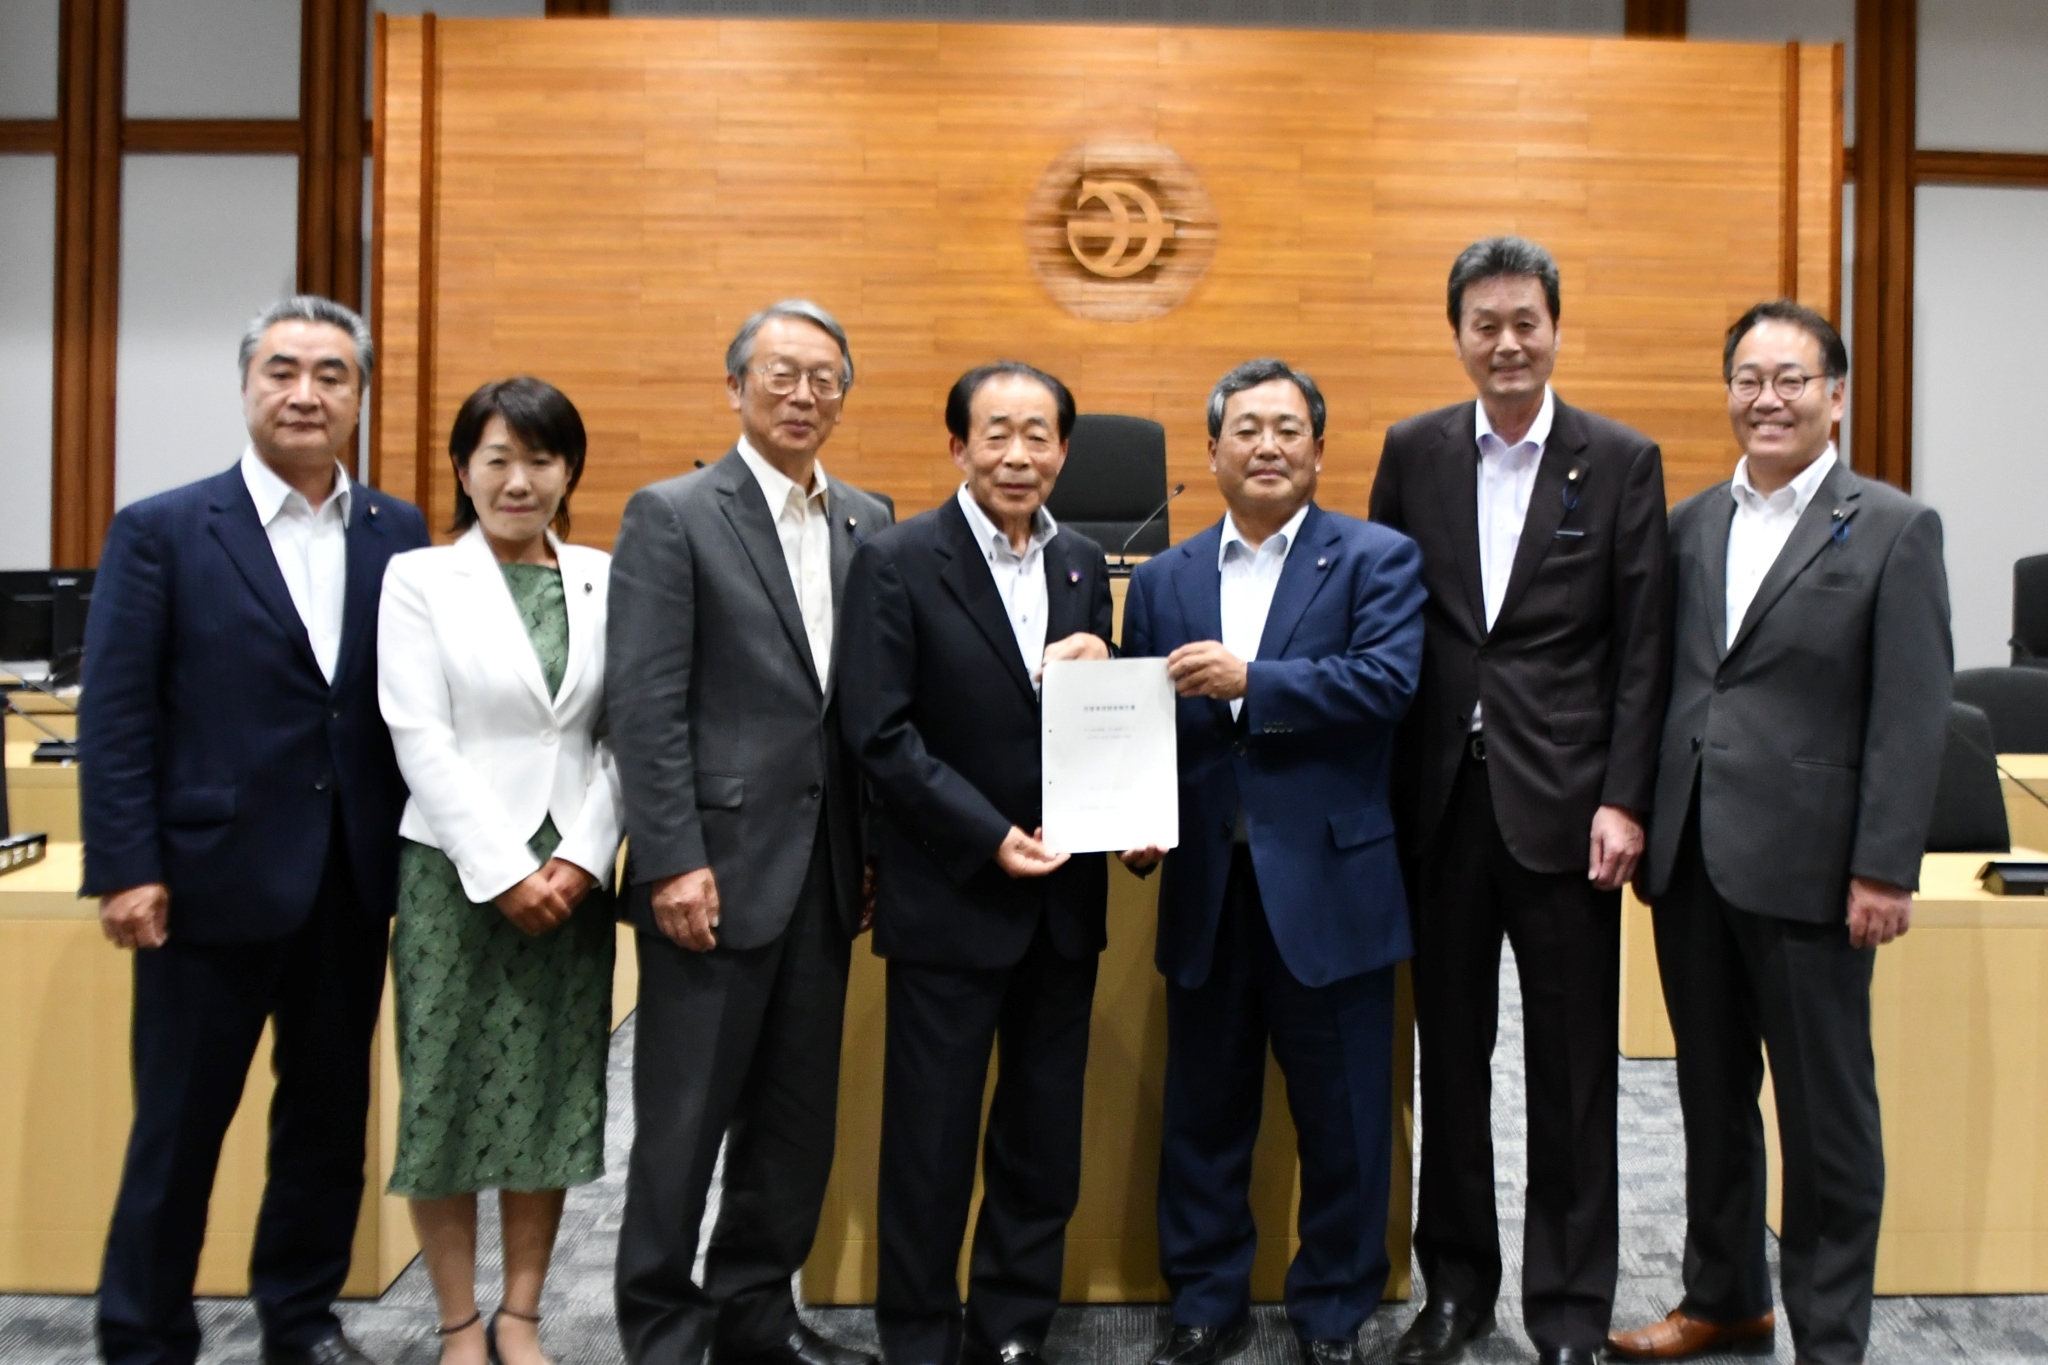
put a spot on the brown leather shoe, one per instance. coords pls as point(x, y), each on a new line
point(1679, 1336)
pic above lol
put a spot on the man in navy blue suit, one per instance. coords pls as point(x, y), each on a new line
point(1294, 638)
point(241, 804)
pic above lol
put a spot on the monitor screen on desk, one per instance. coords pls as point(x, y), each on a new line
point(42, 616)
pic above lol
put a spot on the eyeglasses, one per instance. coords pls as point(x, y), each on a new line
point(1787, 384)
point(781, 380)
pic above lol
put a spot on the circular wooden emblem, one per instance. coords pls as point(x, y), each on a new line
point(1119, 230)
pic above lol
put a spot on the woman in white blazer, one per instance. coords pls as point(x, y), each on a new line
point(490, 659)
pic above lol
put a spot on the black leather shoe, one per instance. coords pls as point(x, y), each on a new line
point(334, 1350)
point(1440, 1331)
point(804, 1347)
point(1203, 1345)
point(1019, 1353)
point(1331, 1353)
point(1566, 1355)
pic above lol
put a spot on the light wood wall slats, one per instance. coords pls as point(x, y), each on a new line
point(1819, 284)
point(396, 455)
point(612, 200)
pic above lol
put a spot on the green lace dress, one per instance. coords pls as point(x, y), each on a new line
point(501, 1036)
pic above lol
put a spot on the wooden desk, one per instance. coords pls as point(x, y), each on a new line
point(1646, 1029)
point(1962, 1075)
point(65, 1105)
point(41, 797)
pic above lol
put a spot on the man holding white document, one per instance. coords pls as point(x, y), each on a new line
point(991, 933)
point(1293, 636)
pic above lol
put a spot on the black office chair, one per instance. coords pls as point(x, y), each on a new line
point(2015, 700)
point(1969, 805)
point(2030, 611)
point(1115, 477)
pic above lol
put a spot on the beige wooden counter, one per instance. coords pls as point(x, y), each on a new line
point(1646, 1029)
point(65, 1105)
point(41, 797)
point(1962, 1077)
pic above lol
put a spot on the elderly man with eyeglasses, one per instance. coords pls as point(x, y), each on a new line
point(746, 865)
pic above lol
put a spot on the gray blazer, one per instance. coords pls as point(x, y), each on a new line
point(727, 739)
point(1815, 739)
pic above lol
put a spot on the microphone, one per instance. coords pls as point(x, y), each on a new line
point(1124, 550)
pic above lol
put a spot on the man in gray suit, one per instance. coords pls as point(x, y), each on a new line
point(746, 862)
point(1795, 784)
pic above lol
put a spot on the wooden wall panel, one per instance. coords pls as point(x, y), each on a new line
point(1819, 215)
point(395, 455)
point(613, 199)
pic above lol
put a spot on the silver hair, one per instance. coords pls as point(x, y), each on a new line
point(741, 352)
point(312, 308)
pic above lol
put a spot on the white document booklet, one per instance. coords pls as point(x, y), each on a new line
point(1110, 758)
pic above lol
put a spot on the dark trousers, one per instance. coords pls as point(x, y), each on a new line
point(1335, 1046)
point(1567, 941)
point(1735, 983)
point(199, 1013)
point(739, 1046)
point(942, 1024)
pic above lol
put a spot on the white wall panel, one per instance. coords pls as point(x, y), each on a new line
point(28, 58)
point(1984, 75)
point(1978, 456)
point(28, 270)
point(206, 242)
point(212, 58)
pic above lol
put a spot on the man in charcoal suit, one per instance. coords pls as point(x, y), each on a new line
point(746, 862)
point(1795, 785)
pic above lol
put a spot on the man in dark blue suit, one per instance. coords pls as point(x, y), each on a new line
point(1294, 638)
point(241, 805)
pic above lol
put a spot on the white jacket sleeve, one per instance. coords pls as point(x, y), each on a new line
point(468, 822)
point(593, 842)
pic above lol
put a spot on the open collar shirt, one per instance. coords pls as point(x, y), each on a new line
point(1246, 580)
point(1020, 578)
point(311, 548)
point(1507, 480)
point(1761, 526)
point(806, 536)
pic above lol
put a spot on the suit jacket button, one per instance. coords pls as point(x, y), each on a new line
point(1695, 743)
point(814, 791)
point(1225, 829)
point(319, 784)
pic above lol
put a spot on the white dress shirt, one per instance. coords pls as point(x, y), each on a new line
point(1246, 580)
point(1507, 479)
point(311, 549)
point(1020, 579)
point(806, 546)
point(1762, 525)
